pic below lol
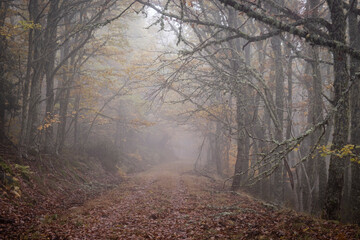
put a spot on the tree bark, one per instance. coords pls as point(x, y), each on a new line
point(76, 118)
point(335, 183)
point(279, 102)
point(243, 143)
point(317, 165)
point(3, 45)
point(27, 80)
point(50, 41)
point(64, 93)
point(354, 34)
point(36, 79)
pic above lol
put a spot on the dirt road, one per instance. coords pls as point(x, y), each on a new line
point(170, 202)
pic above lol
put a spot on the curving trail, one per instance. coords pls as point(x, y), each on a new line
point(169, 202)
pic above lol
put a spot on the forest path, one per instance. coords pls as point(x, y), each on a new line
point(170, 202)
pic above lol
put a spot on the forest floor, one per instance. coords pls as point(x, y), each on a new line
point(170, 201)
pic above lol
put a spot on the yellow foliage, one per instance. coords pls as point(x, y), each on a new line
point(48, 122)
point(345, 151)
point(5, 32)
point(297, 148)
point(136, 123)
point(26, 25)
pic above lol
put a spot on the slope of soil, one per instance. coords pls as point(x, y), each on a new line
point(171, 202)
point(37, 189)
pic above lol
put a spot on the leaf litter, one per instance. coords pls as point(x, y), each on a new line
point(165, 203)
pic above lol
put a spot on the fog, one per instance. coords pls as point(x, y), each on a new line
point(263, 96)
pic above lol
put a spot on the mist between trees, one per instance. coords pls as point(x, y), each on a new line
point(267, 91)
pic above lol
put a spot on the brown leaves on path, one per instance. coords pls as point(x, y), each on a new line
point(168, 203)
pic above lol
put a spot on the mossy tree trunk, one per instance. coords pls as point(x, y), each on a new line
point(335, 184)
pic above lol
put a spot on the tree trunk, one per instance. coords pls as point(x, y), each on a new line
point(63, 97)
point(317, 164)
point(354, 34)
point(242, 157)
point(76, 118)
point(218, 149)
point(25, 90)
point(36, 79)
point(3, 46)
point(335, 183)
point(279, 102)
point(260, 133)
point(243, 144)
point(50, 41)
